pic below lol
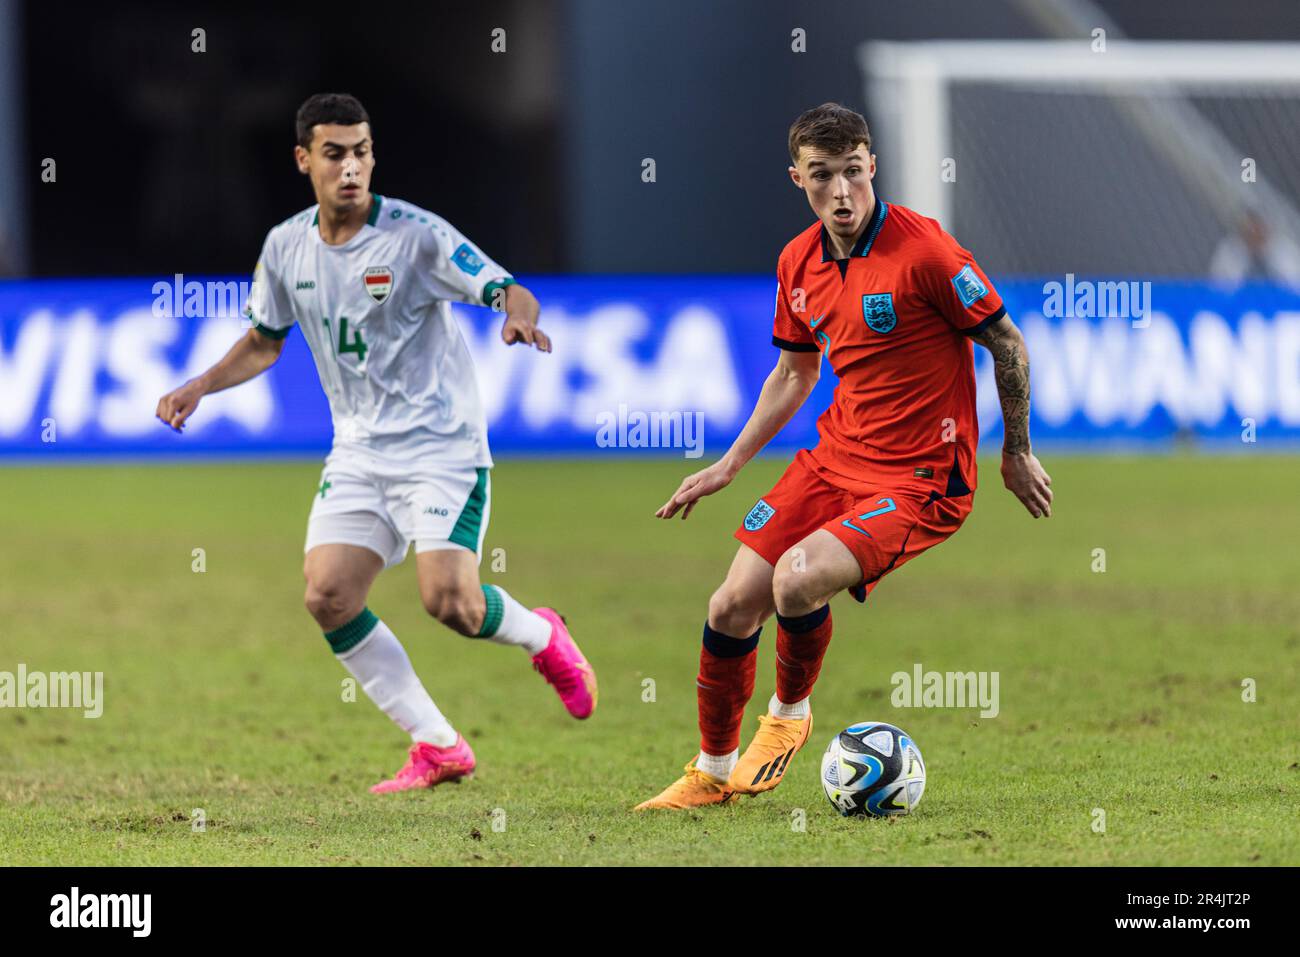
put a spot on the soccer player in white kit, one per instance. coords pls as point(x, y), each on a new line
point(368, 280)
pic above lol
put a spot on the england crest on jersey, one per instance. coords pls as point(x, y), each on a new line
point(758, 516)
point(379, 282)
point(878, 311)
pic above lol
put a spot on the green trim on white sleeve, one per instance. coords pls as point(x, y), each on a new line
point(269, 332)
point(490, 289)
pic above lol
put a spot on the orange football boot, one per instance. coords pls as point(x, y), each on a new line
point(763, 764)
point(692, 789)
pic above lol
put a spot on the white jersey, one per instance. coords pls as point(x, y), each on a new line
point(374, 310)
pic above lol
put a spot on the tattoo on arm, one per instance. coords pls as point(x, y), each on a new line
point(1011, 371)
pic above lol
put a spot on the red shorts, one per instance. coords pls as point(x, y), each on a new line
point(884, 526)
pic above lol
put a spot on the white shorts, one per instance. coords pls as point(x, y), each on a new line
point(382, 506)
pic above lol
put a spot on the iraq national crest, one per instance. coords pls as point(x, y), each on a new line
point(379, 282)
point(878, 310)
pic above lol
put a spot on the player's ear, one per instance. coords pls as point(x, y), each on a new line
point(795, 177)
point(300, 157)
point(872, 171)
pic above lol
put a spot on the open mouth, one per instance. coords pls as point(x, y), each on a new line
point(843, 215)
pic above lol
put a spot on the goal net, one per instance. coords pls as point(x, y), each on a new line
point(1050, 156)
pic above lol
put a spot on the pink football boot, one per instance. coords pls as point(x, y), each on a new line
point(429, 765)
point(561, 663)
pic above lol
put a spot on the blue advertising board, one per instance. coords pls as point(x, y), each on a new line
point(83, 363)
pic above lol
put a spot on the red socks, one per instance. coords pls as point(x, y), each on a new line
point(726, 679)
point(724, 687)
point(800, 646)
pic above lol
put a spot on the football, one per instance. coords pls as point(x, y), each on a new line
point(873, 769)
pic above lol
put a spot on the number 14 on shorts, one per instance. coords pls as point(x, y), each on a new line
point(887, 505)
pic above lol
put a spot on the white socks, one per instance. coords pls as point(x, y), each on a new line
point(371, 653)
point(779, 709)
point(382, 668)
point(509, 623)
point(718, 765)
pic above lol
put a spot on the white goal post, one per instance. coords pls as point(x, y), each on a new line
point(1182, 121)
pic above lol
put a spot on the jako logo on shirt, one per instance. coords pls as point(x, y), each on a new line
point(379, 282)
point(467, 259)
point(878, 310)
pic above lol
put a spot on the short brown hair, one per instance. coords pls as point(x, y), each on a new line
point(829, 127)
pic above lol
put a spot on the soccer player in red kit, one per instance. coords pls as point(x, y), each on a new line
point(893, 302)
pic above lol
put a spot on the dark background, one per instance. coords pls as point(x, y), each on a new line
point(174, 161)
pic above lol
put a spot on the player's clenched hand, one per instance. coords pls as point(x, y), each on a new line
point(1026, 479)
point(179, 404)
point(695, 487)
point(522, 310)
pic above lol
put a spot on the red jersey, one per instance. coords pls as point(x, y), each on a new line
point(894, 320)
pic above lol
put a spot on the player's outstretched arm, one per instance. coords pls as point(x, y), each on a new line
point(522, 310)
point(250, 356)
point(1021, 472)
point(787, 387)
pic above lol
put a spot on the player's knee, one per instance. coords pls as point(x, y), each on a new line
point(733, 613)
point(330, 604)
point(795, 592)
point(460, 609)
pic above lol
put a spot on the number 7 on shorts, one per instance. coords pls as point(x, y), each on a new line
point(887, 506)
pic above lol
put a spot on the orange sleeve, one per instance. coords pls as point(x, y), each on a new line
point(951, 281)
point(787, 331)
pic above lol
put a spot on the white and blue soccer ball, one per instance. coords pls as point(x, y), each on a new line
point(873, 770)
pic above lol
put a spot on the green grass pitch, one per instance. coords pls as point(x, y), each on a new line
point(1119, 690)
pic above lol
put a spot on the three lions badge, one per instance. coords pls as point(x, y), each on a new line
point(758, 516)
point(379, 282)
point(878, 311)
